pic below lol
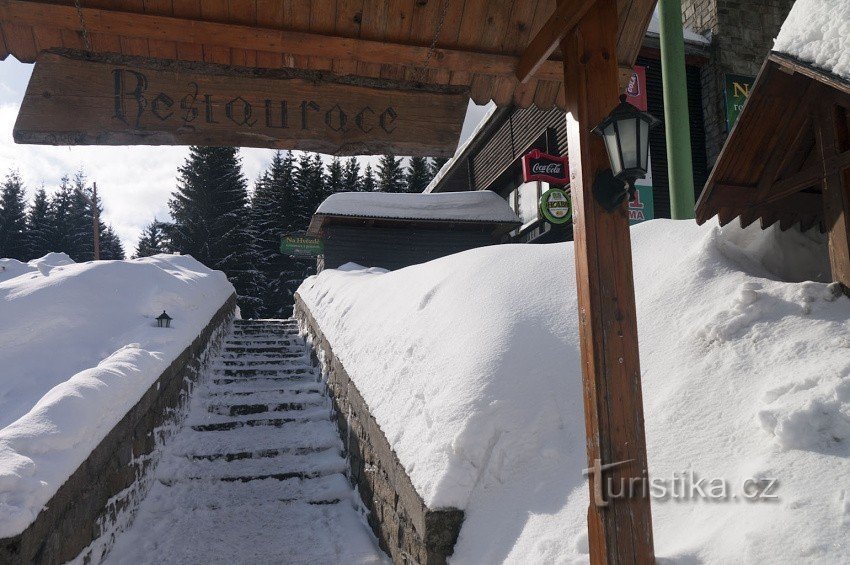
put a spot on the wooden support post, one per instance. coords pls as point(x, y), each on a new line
point(620, 529)
point(832, 130)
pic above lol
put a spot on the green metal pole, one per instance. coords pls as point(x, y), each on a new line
point(680, 169)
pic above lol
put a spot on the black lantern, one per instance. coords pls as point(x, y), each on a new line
point(163, 320)
point(626, 135)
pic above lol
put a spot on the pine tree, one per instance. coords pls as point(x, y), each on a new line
point(153, 240)
point(62, 235)
point(437, 164)
point(274, 213)
point(13, 220)
point(110, 244)
point(334, 179)
point(211, 220)
point(39, 229)
point(390, 174)
point(309, 180)
point(368, 184)
point(351, 175)
point(417, 176)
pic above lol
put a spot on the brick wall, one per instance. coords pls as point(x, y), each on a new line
point(741, 33)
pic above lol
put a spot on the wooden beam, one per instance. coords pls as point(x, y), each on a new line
point(792, 65)
point(807, 178)
point(831, 126)
point(567, 15)
point(297, 43)
point(619, 529)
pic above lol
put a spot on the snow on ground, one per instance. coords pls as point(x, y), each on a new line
point(79, 348)
point(482, 205)
point(818, 32)
point(470, 365)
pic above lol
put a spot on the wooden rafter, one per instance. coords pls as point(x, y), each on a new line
point(559, 24)
point(242, 37)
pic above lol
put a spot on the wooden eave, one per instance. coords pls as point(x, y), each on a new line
point(319, 221)
point(480, 45)
point(772, 166)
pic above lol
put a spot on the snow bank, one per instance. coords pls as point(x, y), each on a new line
point(470, 365)
point(818, 32)
point(482, 205)
point(79, 348)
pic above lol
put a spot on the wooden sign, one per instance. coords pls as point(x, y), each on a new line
point(76, 98)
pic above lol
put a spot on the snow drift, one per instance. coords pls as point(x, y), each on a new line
point(78, 348)
point(470, 365)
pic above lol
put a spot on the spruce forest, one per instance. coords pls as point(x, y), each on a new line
point(214, 217)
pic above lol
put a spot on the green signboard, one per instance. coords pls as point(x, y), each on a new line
point(735, 92)
point(297, 245)
point(556, 206)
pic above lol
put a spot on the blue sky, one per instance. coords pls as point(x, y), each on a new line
point(134, 182)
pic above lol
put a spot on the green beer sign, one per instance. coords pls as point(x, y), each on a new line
point(297, 245)
point(556, 206)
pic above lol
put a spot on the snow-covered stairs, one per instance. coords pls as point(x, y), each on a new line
point(256, 474)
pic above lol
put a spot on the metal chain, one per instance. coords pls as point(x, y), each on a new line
point(85, 32)
point(433, 47)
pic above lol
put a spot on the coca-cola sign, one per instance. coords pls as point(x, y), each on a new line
point(553, 169)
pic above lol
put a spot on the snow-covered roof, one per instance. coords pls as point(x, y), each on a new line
point(654, 30)
point(818, 32)
point(478, 206)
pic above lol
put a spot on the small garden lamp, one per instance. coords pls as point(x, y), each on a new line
point(163, 320)
point(625, 132)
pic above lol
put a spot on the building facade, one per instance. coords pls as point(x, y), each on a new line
point(725, 45)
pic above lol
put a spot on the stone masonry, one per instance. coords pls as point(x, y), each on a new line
point(410, 532)
point(741, 33)
point(103, 485)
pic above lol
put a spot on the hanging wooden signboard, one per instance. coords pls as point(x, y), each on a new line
point(75, 98)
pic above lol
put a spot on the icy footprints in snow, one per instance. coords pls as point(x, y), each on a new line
point(256, 474)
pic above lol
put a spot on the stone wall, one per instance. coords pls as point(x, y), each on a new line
point(741, 33)
point(407, 530)
point(104, 485)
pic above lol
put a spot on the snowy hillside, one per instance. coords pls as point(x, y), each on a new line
point(470, 365)
point(78, 348)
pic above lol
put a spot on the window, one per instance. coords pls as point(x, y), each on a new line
point(525, 202)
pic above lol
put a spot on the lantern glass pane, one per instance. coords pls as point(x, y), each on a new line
point(629, 142)
point(610, 137)
point(644, 145)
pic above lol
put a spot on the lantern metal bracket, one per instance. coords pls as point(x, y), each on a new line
point(610, 191)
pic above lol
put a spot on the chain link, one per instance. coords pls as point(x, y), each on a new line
point(433, 47)
point(83, 30)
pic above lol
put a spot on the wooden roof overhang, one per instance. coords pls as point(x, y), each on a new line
point(505, 51)
point(784, 145)
point(319, 222)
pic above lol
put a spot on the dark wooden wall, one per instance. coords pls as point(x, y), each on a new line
point(395, 247)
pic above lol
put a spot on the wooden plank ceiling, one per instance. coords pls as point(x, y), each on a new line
point(479, 45)
point(773, 165)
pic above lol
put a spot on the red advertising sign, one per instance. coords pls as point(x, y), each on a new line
point(636, 91)
point(553, 169)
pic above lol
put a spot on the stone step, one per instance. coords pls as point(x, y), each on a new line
point(248, 409)
point(260, 454)
point(264, 370)
point(253, 423)
point(248, 389)
point(287, 465)
point(272, 396)
point(266, 380)
point(254, 361)
point(231, 351)
point(270, 341)
point(311, 433)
